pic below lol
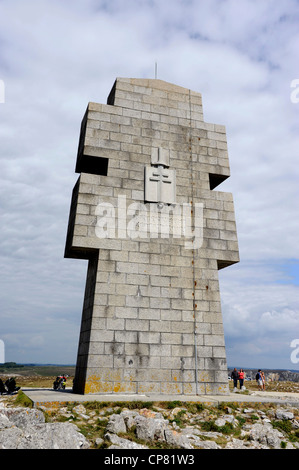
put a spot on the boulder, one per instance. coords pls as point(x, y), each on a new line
point(116, 424)
point(129, 417)
point(177, 439)
point(23, 417)
point(266, 435)
point(150, 429)
point(24, 428)
point(283, 414)
point(121, 443)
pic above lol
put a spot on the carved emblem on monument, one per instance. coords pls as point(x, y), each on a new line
point(159, 179)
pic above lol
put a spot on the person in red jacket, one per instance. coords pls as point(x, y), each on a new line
point(241, 378)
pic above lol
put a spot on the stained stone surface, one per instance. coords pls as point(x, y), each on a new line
point(147, 214)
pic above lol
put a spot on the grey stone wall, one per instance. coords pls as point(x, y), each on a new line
point(152, 319)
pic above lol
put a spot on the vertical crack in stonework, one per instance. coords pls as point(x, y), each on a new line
point(193, 249)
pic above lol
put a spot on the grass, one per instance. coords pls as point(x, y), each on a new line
point(174, 404)
point(22, 400)
point(130, 405)
point(285, 426)
point(179, 419)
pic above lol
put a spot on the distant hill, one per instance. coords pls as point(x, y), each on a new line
point(36, 369)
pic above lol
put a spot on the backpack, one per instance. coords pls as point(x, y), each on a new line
point(257, 376)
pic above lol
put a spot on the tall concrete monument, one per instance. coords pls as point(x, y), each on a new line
point(155, 232)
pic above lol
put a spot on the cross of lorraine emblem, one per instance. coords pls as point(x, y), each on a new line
point(159, 180)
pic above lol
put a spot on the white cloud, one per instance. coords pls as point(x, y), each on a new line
point(260, 314)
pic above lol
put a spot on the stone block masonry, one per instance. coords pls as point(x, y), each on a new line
point(146, 215)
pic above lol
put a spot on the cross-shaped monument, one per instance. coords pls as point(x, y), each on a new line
point(152, 321)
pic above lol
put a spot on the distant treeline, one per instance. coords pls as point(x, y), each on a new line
point(10, 365)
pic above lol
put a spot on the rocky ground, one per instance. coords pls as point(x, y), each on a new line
point(139, 425)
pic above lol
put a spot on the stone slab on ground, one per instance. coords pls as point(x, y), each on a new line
point(41, 396)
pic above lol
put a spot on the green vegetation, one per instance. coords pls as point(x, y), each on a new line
point(10, 365)
point(174, 404)
point(22, 400)
point(285, 426)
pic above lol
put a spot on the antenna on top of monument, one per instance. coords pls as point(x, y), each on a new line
point(156, 68)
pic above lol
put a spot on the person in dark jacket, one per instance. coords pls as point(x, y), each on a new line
point(235, 377)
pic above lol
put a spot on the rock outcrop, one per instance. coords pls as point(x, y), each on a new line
point(152, 426)
point(183, 427)
point(25, 428)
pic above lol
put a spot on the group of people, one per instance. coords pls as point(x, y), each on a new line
point(238, 376)
point(60, 382)
point(260, 379)
point(9, 386)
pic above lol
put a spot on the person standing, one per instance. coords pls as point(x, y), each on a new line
point(263, 381)
point(241, 378)
point(259, 379)
point(235, 377)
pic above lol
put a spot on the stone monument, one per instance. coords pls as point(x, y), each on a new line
point(155, 232)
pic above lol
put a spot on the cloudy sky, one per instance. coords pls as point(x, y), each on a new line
point(55, 57)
